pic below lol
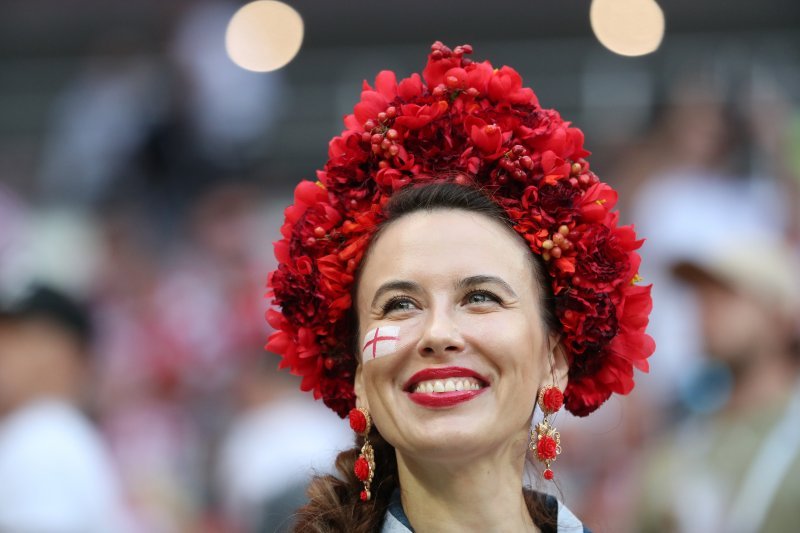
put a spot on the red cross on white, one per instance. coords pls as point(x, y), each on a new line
point(380, 341)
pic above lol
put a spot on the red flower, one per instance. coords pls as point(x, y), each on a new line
point(416, 116)
point(556, 202)
point(488, 138)
point(358, 422)
point(361, 468)
point(546, 448)
point(478, 76)
point(456, 78)
point(306, 194)
point(633, 344)
point(374, 101)
point(552, 133)
point(606, 256)
point(552, 399)
point(585, 394)
point(434, 71)
point(590, 322)
point(597, 202)
point(337, 390)
point(506, 85)
point(410, 87)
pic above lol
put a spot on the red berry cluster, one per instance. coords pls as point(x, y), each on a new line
point(382, 138)
point(517, 163)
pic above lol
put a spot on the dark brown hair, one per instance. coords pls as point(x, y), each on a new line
point(334, 505)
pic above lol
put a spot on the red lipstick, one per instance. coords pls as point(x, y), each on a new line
point(443, 399)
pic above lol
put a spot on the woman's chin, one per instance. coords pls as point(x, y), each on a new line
point(448, 436)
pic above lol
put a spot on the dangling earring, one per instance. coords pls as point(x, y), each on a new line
point(365, 464)
point(545, 440)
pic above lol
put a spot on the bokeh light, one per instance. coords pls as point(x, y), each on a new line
point(264, 35)
point(628, 27)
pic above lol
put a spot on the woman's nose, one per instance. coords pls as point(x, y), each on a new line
point(441, 335)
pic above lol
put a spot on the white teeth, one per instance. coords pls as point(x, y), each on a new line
point(448, 385)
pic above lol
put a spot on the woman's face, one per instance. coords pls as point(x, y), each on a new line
point(457, 290)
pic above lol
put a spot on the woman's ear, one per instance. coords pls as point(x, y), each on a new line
point(559, 369)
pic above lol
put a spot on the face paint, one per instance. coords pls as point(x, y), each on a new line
point(379, 342)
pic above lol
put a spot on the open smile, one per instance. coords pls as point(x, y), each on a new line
point(445, 387)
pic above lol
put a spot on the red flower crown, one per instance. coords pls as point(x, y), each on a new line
point(476, 125)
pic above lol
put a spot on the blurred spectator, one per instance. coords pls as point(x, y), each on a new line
point(694, 188)
point(737, 470)
point(99, 120)
point(176, 325)
point(276, 442)
point(56, 474)
point(230, 111)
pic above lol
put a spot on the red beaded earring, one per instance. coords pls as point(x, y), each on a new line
point(545, 440)
point(364, 468)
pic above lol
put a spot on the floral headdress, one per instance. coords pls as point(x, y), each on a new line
point(475, 125)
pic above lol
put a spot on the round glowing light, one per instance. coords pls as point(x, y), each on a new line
point(628, 27)
point(264, 35)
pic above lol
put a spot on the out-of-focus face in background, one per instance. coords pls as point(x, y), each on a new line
point(38, 359)
point(736, 326)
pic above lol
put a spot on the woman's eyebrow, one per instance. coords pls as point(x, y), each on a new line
point(472, 281)
point(395, 285)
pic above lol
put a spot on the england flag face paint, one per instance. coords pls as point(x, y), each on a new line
point(379, 342)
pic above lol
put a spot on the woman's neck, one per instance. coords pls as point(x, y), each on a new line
point(483, 494)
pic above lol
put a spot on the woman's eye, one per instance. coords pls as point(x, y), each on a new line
point(398, 303)
point(481, 297)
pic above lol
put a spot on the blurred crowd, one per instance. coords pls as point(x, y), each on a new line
point(135, 394)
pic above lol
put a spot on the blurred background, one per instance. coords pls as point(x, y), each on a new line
point(143, 176)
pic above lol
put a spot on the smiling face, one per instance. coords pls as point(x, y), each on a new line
point(458, 291)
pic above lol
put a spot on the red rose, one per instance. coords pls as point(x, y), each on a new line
point(361, 468)
point(410, 87)
point(358, 422)
point(546, 448)
point(552, 400)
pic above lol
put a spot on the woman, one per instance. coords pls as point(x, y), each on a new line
point(456, 265)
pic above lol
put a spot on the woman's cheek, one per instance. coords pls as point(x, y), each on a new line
point(502, 337)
